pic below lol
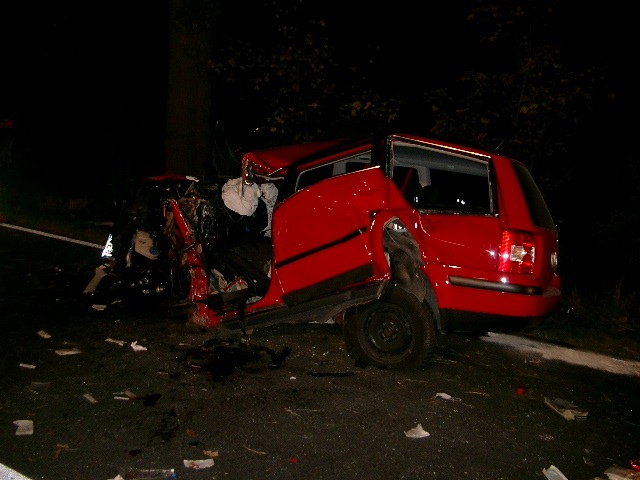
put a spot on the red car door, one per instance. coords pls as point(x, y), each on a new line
point(322, 236)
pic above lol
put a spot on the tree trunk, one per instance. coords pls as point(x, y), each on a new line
point(188, 127)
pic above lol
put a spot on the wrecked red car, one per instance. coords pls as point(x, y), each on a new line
point(399, 238)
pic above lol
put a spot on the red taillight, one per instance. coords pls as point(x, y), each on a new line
point(517, 252)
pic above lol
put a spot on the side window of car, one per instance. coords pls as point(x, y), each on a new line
point(456, 192)
point(437, 180)
point(322, 172)
point(408, 182)
point(313, 175)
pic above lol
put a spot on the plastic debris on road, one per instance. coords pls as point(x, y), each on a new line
point(25, 427)
point(619, 473)
point(44, 334)
point(552, 473)
point(566, 409)
point(27, 365)
point(117, 342)
point(417, 432)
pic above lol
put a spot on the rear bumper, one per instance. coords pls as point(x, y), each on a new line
point(459, 321)
point(495, 286)
point(472, 305)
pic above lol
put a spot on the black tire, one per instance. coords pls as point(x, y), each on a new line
point(396, 332)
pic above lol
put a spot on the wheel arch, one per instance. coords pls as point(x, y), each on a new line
point(403, 253)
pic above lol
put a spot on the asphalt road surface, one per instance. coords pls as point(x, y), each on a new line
point(134, 388)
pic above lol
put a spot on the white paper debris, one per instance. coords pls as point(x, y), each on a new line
point(27, 365)
point(552, 473)
point(417, 432)
point(100, 273)
point(44, 334)
point(198, 464)
point(25, 427)
point(446, 396)
point(137, 348)
point(68, 351)
point(620, 473)
point(117, 342)
point(90, 398)
point(126, 395)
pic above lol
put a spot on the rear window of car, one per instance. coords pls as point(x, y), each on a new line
point(433, 179)
point(538, 209)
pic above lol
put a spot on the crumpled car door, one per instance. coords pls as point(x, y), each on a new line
point(322, 236)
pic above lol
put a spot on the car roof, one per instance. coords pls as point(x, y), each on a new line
point(275, 161)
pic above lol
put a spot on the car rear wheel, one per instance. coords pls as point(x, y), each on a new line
point(395, 332)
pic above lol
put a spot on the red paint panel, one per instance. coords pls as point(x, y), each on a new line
point(323, 232)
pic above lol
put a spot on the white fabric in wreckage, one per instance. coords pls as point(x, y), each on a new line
point(243, 198)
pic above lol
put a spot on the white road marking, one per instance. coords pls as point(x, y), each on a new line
point(51, 235)
point(549, 351)
point(7, 473)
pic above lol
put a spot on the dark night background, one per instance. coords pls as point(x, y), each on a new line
point(85, 88)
